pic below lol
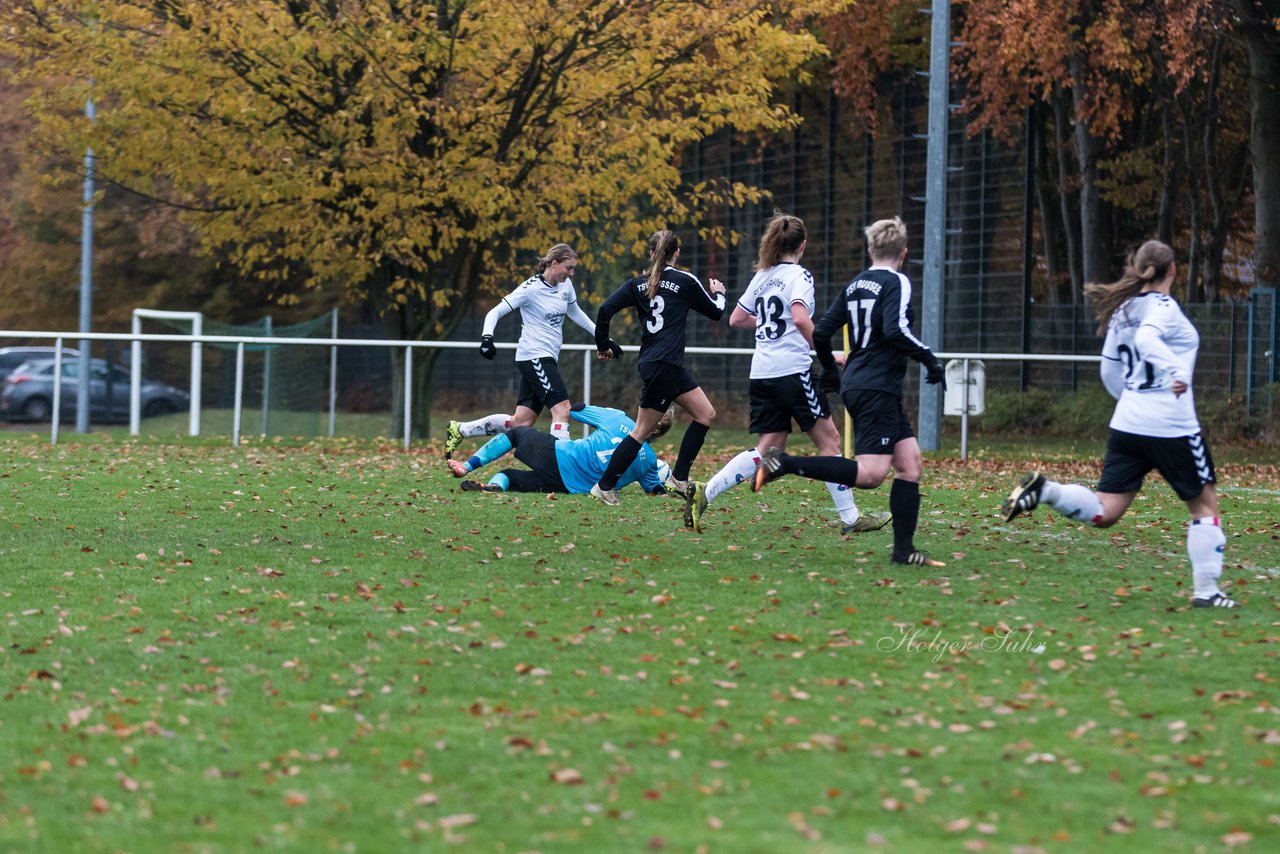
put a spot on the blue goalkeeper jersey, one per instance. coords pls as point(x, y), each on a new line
point(583, 461)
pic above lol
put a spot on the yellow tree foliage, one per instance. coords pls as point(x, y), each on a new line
point(404, 151)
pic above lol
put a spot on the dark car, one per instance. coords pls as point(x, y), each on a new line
point(28, 392)
point(11, 357)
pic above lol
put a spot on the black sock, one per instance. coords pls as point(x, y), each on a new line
point(623, 456)
point(904, 504)
point(689, 447)
point(829, 469)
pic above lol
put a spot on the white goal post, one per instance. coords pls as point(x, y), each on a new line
point(135, 365)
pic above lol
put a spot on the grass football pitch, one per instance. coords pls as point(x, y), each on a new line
point(326, 646)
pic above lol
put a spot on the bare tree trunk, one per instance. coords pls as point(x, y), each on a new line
point(1046, 189)
point(1172, 176)
point(1095, 254)
point(1264, 94)
point(417, 318)
point(424, 361)
point(1193, 205)
point(1061, 121)
point(1219, 221)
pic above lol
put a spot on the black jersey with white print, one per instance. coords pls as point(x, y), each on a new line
point(662, 317)
point(876, 306)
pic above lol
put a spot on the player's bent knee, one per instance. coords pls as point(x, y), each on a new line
point(870, 476)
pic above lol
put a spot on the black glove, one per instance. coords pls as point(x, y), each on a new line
point(486, 347)
point(615, 349)
point(937, 374)
point(830, 381)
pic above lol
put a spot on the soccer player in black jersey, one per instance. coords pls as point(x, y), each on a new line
point(662, 298)
point(876, 306)
point(778, 306)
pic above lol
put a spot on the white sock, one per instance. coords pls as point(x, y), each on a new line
point(560, 430)
point(740, 468)
point(490, 425)
point(1205, 544)
point(1073, 501)
point(843, 498)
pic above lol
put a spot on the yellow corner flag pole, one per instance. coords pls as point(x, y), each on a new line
point(848, 419)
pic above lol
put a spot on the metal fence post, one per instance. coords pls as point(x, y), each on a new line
point(408, 393)
point(935, 215)
point(237, 407)
point(586, 386)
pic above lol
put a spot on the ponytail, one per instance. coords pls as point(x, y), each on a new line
point(1147, 266)
point(663, 246)
point(783, 235)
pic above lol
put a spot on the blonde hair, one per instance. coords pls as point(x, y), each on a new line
point(664, 424)
point(663, 246)
point(783, 235)
point(1147, 266)
point(886, 238)
point(559, 252)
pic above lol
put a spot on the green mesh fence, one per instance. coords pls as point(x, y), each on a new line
point(286, 387)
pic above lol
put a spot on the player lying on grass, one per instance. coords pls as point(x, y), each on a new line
point(568, 465)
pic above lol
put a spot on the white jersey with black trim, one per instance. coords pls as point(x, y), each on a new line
point(781, 349)
point(542, 307)
point(1150, 344)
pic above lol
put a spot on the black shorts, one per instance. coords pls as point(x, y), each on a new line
point(537, 450)
point(777, 400)
point(1184, 461)
point(879, 421)
point(541, 385)
point(663, 383)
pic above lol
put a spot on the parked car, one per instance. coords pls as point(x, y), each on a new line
point(28, 392)
point(11, 357)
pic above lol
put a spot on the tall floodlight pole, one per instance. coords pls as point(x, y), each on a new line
point(935, 217)
point(86, 285)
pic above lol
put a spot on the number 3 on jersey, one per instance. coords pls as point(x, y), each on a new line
point(656, 320)
point(1133, 362)
point(860, 322)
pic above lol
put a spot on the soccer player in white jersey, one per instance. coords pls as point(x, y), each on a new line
point(778, 304)
point(1147, 362)
point(544, 300)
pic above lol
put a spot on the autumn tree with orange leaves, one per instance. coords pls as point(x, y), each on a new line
point(1139, 96)
point(1139, 112)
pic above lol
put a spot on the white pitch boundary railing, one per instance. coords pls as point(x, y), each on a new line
point(136, 340)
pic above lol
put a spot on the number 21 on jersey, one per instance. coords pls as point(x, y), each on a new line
point(1133, 363)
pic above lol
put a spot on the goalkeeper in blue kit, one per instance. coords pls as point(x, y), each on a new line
point(564, 465)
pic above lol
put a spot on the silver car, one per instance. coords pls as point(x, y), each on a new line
point(28, 392)
point(11, 357)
